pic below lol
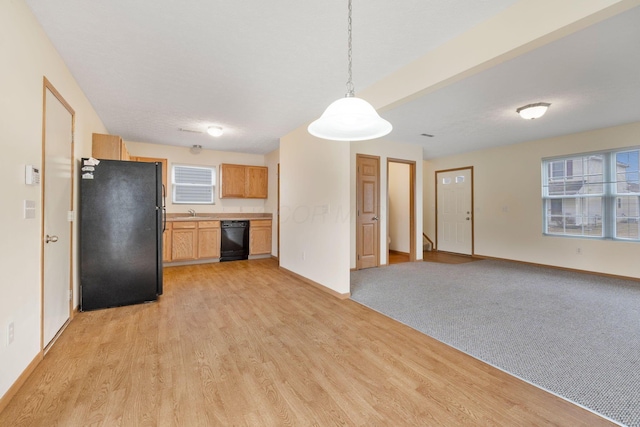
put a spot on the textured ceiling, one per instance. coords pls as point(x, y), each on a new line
point(261, 69)
point(591, 78)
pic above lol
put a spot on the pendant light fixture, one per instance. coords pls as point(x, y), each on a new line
point(350, 118)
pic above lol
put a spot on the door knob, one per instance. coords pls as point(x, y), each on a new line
point(51, 239)
point(375, 218)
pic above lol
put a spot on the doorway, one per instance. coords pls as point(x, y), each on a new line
point(454, 210)
point(57, 206)
point(401, 211)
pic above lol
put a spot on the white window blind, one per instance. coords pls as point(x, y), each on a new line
point(193, 184)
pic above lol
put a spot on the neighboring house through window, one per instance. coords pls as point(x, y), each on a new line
point(593, 195)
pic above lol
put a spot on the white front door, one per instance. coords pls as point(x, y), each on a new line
point(454, 211)
point(58, 138)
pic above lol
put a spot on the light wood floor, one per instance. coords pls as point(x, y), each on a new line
point(432, 256)
point(242, 343)
point(447, 257)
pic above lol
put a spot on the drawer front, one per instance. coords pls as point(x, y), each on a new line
point(184, 224)
point(208, 224)
point(260, 223)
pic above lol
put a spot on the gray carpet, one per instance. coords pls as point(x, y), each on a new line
point(576, 335)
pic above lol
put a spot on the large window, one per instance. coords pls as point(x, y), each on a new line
point(193, 184)
point(593, 195)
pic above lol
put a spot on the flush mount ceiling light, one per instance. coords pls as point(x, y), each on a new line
point(350, 118)
point(195, 149)
point(533, 111)
point(215, 131)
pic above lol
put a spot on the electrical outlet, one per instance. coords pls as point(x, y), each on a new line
point(304, 255)
point(10, 333)
point(579, 251)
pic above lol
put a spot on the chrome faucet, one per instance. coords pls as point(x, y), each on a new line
point(192, 212)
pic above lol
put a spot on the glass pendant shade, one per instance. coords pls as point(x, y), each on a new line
point(350, 119)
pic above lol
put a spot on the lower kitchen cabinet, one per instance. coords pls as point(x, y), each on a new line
point(184, 241)
point(260, 237)
point(208, 239)
point(166, 242)
point(195, 240)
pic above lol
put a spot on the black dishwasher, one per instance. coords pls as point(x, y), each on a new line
point(234, 242)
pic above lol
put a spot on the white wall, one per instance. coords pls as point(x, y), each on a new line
point(27, 55)
point(386, 149)
point(399, 207)
point(272, 160)
point(182, 156)
point(508, 203)
point(314, 209)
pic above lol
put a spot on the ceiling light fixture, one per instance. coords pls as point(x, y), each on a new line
point(350, 118)
point(533, 111)
point(195, 149)
point(215, 131)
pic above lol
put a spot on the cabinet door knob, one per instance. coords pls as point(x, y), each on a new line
point(375, 218)
point(50, 239)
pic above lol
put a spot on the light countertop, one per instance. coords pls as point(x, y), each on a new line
point(217, 216)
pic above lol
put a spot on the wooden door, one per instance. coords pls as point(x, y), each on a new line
point(57, 203)
point(368, 211)
point(454, 211)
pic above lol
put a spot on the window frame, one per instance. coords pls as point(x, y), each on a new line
point(175, 186)
point(609, 195)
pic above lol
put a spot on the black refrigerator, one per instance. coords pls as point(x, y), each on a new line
point(121, 219)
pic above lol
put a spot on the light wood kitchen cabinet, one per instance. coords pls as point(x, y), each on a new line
point(208, 239)
point(243, 182)
point(256, 182)
point(184, 241)
point(260, 237)
point(231, 181)
point(109, 147)
point(166, 242)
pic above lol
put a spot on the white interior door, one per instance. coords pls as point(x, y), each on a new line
point(58, 139)
point(454, 213)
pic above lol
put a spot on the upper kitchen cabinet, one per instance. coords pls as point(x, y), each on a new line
point(256, 182)
point(243, 182)
point(108, 147)
point(232, 181)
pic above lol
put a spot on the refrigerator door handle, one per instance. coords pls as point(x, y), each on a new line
point(164, 208)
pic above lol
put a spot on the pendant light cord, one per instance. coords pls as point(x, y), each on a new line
point(350, 88)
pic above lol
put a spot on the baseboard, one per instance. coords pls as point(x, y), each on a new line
point(317, 285)
point(575, 270)
point(4, 401)
point(393, 251)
